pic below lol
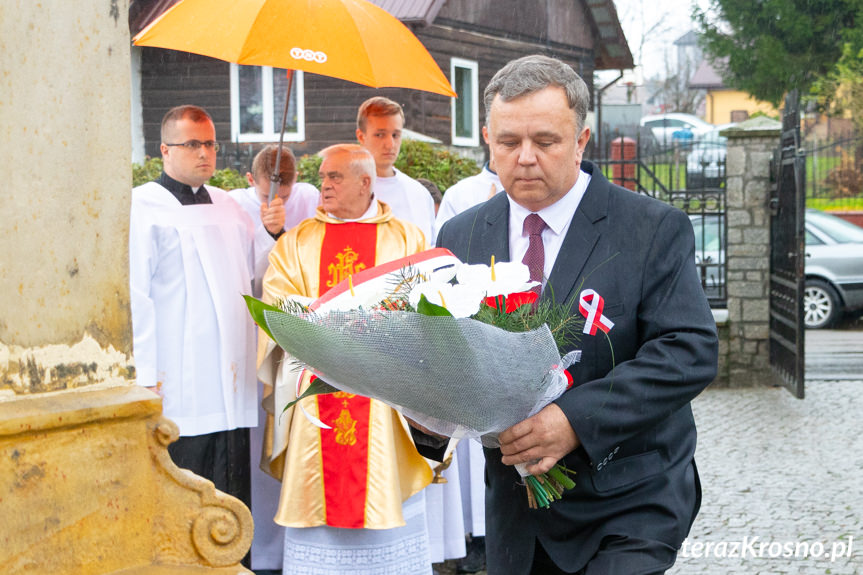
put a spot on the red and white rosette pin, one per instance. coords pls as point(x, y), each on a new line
point(590, 305)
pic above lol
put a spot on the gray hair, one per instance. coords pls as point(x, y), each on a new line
point(360, 160)
point(534, 73)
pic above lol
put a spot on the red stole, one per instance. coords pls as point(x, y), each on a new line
point(346, 249)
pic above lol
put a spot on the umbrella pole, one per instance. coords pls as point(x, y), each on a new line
point(274, 179)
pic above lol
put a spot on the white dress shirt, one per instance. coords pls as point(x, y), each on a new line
point(557, 218)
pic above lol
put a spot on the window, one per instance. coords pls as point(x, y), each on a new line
point(812, 239)
point(258, 102)
point(465, 108)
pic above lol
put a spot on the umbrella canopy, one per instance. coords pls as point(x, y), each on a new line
point(352, 40)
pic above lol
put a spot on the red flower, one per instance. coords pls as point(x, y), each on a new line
point(513, 300)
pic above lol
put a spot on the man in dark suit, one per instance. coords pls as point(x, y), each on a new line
point(626, 426)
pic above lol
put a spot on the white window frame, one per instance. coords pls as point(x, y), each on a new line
point(271, 127)
point(471, 65)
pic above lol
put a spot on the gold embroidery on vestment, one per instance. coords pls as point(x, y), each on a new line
point(345, 267)
point(346, 429)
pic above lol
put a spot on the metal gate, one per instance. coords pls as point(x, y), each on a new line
point(667, 174)
point(787, 249)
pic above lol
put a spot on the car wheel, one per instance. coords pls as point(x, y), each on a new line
point(821, 305)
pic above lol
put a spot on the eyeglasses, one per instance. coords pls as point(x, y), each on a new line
point(195, 145)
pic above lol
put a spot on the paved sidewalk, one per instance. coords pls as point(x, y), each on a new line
point(785, 471)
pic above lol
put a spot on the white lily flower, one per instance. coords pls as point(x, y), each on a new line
point(428, 289)
point(445, 274)
point(459, 300)
point(501, 278)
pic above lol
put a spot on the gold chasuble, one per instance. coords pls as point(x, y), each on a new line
point(357, 474)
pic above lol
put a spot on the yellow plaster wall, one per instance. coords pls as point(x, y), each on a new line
point(720, 104)
point(66, 145)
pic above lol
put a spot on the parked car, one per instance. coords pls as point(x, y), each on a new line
point(705, 163)
point(833, 268)
point(663, 126)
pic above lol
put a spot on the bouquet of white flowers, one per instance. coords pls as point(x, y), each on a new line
point(463, 350)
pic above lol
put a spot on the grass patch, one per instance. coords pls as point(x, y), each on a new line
point(651, 176)
point(835, 205)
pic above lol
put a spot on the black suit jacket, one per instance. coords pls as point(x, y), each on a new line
point(629, 405)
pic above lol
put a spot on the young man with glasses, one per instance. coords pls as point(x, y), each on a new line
point(191, 257)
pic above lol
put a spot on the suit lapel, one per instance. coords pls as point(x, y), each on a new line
point(491, 234)
point(580, 240)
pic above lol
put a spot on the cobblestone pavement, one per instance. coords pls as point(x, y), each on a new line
point(785, 471)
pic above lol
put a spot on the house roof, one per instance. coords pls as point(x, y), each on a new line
point(421, 12)
point(706, 78)
point(142, 12)
point(612, 49)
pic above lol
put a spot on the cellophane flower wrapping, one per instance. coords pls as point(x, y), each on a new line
point(456, 377)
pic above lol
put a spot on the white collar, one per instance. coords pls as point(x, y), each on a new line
point(558, 215)
point(371, 212)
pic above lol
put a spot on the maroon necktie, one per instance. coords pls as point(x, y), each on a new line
point(534, 257)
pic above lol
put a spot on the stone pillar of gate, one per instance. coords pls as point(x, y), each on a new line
point(86, 483)
point(745, 337)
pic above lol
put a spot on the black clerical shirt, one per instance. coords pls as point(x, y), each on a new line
point(183, 192)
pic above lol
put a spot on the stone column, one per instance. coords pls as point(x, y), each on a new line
point(86, 483)
point(65, 142)
point(750, 151)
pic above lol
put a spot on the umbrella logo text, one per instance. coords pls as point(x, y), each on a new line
point(308, 55)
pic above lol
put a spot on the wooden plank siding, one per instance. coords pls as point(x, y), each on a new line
point(489, 32)
point(170, 78)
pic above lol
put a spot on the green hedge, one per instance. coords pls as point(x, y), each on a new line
point(435, 163)
point(307, 169)
point(227, 179)
point(146, 172)
point(417, 159)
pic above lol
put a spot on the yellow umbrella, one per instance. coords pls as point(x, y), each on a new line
point(349, 39)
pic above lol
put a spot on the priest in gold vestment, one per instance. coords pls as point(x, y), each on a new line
point(351, 497)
